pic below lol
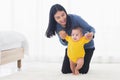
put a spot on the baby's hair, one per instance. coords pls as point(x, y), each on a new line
point(77, 27)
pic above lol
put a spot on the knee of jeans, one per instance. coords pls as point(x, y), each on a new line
point(84, 71)
point(64, 72)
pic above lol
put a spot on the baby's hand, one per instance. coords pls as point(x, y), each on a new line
point(62, 34)
point(89, 35)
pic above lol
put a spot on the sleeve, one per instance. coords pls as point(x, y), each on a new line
point(84, 24)
point(62, 41)
point(67, 38)
point(59, 28)
point(85, 40)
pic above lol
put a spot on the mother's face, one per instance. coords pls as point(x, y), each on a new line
point(61, 18)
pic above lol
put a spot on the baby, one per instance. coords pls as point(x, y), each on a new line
point(75, 50)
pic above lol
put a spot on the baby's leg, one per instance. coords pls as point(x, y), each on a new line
point(80, 63)
point(72, 66)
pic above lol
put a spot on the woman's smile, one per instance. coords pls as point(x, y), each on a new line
point(60, 17)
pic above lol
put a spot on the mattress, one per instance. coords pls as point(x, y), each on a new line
point(11, 45)
point(11, 40)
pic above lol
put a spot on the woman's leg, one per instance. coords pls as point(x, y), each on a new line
point(87, 59)
point(66, 64)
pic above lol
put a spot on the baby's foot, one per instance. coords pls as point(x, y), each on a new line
point(76, 72)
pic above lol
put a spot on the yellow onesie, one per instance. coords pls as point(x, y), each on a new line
point(76, 48)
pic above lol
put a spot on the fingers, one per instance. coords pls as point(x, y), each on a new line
point(89, 35)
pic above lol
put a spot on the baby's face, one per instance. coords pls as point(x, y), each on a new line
point(76, 34)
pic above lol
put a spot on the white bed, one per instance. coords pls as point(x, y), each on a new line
point(13, 45)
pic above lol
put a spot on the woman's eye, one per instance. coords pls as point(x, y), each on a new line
point(57, 17)
point(62, 15)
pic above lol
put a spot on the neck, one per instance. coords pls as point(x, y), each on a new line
point(63, 26)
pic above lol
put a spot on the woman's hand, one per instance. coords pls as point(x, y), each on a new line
point(89, 35)
point(62, 34)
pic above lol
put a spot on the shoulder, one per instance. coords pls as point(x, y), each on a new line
point(74, 16)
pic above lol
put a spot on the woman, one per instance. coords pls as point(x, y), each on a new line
point(59, 20)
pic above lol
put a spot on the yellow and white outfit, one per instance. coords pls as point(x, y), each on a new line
point(76, 48)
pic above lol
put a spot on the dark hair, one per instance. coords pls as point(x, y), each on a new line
point(77, 27)
point(52, 23)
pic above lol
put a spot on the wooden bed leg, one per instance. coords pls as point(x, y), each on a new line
point(19, 65)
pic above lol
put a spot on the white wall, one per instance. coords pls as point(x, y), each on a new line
point(30, 17)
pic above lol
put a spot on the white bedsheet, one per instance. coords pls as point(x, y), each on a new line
point(11, 40)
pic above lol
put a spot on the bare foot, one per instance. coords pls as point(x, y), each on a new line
point(76, 72)
point(73, 72)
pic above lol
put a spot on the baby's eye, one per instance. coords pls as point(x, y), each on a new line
point(76, 34)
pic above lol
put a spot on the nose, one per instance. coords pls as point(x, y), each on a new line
point(61, 19)
point(74, 37)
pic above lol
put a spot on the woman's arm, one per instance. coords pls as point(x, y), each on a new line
point(86, 27)
point(58, 29)
point(89, 35)
point(62, 34)
point(63, 42)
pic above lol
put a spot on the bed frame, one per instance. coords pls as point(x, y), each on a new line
point(11, 55)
